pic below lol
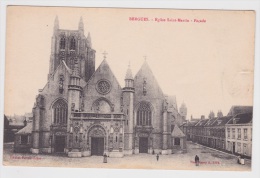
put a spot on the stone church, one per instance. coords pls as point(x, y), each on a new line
point(83, 111)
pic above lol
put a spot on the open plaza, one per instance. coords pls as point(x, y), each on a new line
point(211, 160)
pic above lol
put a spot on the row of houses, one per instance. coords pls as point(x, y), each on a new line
point(231, 133)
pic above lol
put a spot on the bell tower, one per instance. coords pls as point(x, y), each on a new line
point(67, 45)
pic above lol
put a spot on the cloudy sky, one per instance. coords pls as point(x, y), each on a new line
point(207, 65)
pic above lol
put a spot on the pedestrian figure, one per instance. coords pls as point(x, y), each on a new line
point(197, 160)
point(157, 157)
point(239, 159)
point(105, 158)
point(153, 152)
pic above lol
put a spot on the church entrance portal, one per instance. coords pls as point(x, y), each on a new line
point(97, 146)
point(59, 144)
point(143, 145)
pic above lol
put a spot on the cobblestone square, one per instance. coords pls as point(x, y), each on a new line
point(210, 160)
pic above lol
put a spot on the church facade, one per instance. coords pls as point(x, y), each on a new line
point(83, 111)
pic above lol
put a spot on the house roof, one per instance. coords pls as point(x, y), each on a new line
point(211, 122)
point(190, 123)
point(234, 110)
point(177, 132)
point(26, 130)
point(241, 119)
point(202, 122)
point(221, 121)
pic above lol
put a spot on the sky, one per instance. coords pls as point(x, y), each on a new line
point(207, 65)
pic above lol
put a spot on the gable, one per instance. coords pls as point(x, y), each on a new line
point(145, 79)
point(177, 133)
point(52, 86)
point(102, 85)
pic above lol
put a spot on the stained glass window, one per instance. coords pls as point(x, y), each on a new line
point(144, 114)
point(60, 110)
point(72, 43)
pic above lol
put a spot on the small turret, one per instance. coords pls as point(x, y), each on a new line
point(128, 109)
point(74, 88)
point(129, 80)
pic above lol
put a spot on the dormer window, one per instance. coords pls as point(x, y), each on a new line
point(235, 120)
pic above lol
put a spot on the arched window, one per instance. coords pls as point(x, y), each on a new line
point(144, 114)
point(62, 42)
point(60, 112)
point(73, 43)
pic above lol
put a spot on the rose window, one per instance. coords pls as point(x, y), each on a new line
point(103, 87)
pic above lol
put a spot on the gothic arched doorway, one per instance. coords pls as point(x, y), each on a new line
point(97, 138)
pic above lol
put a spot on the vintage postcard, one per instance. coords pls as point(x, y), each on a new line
point(129, 88)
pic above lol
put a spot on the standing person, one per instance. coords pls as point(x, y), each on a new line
point(157, 157)
point(105, 158)
point(197, 160)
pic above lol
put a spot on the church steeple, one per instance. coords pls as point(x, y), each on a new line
point(56, 24)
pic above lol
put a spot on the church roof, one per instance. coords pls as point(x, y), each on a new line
point(26, 130)
point(177, 132)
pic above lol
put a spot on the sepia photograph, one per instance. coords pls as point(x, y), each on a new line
point(129, 88)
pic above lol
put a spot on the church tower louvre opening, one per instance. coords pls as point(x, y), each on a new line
point(67, 45)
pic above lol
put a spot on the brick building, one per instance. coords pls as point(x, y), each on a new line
point(231, 133)
point(239, 134)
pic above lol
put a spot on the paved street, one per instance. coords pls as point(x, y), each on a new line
point(210, 160)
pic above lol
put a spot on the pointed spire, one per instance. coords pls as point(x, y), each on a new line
point(56, 23)
point(129, 75)
point(89, 39)
point(81, 25)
